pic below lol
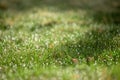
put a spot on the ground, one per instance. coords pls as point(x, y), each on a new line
point(58, 40)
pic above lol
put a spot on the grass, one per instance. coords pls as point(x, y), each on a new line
point(52, 43)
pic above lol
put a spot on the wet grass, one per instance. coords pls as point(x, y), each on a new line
point(47, 43)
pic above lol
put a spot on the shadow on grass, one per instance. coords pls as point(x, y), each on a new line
point(90, 48)
point(108, 13)
point(3, 26)
point(22, 5)
point(106, 17)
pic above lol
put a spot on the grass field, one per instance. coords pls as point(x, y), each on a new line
point(50, 40)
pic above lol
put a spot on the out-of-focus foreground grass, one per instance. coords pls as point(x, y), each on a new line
point(59, 40)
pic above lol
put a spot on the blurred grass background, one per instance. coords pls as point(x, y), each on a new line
point(101, 10)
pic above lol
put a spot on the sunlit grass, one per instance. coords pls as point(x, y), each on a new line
point(50, 44)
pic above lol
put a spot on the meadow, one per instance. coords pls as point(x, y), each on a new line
point(58, 40)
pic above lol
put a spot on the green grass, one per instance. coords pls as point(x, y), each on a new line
point(52, 43)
